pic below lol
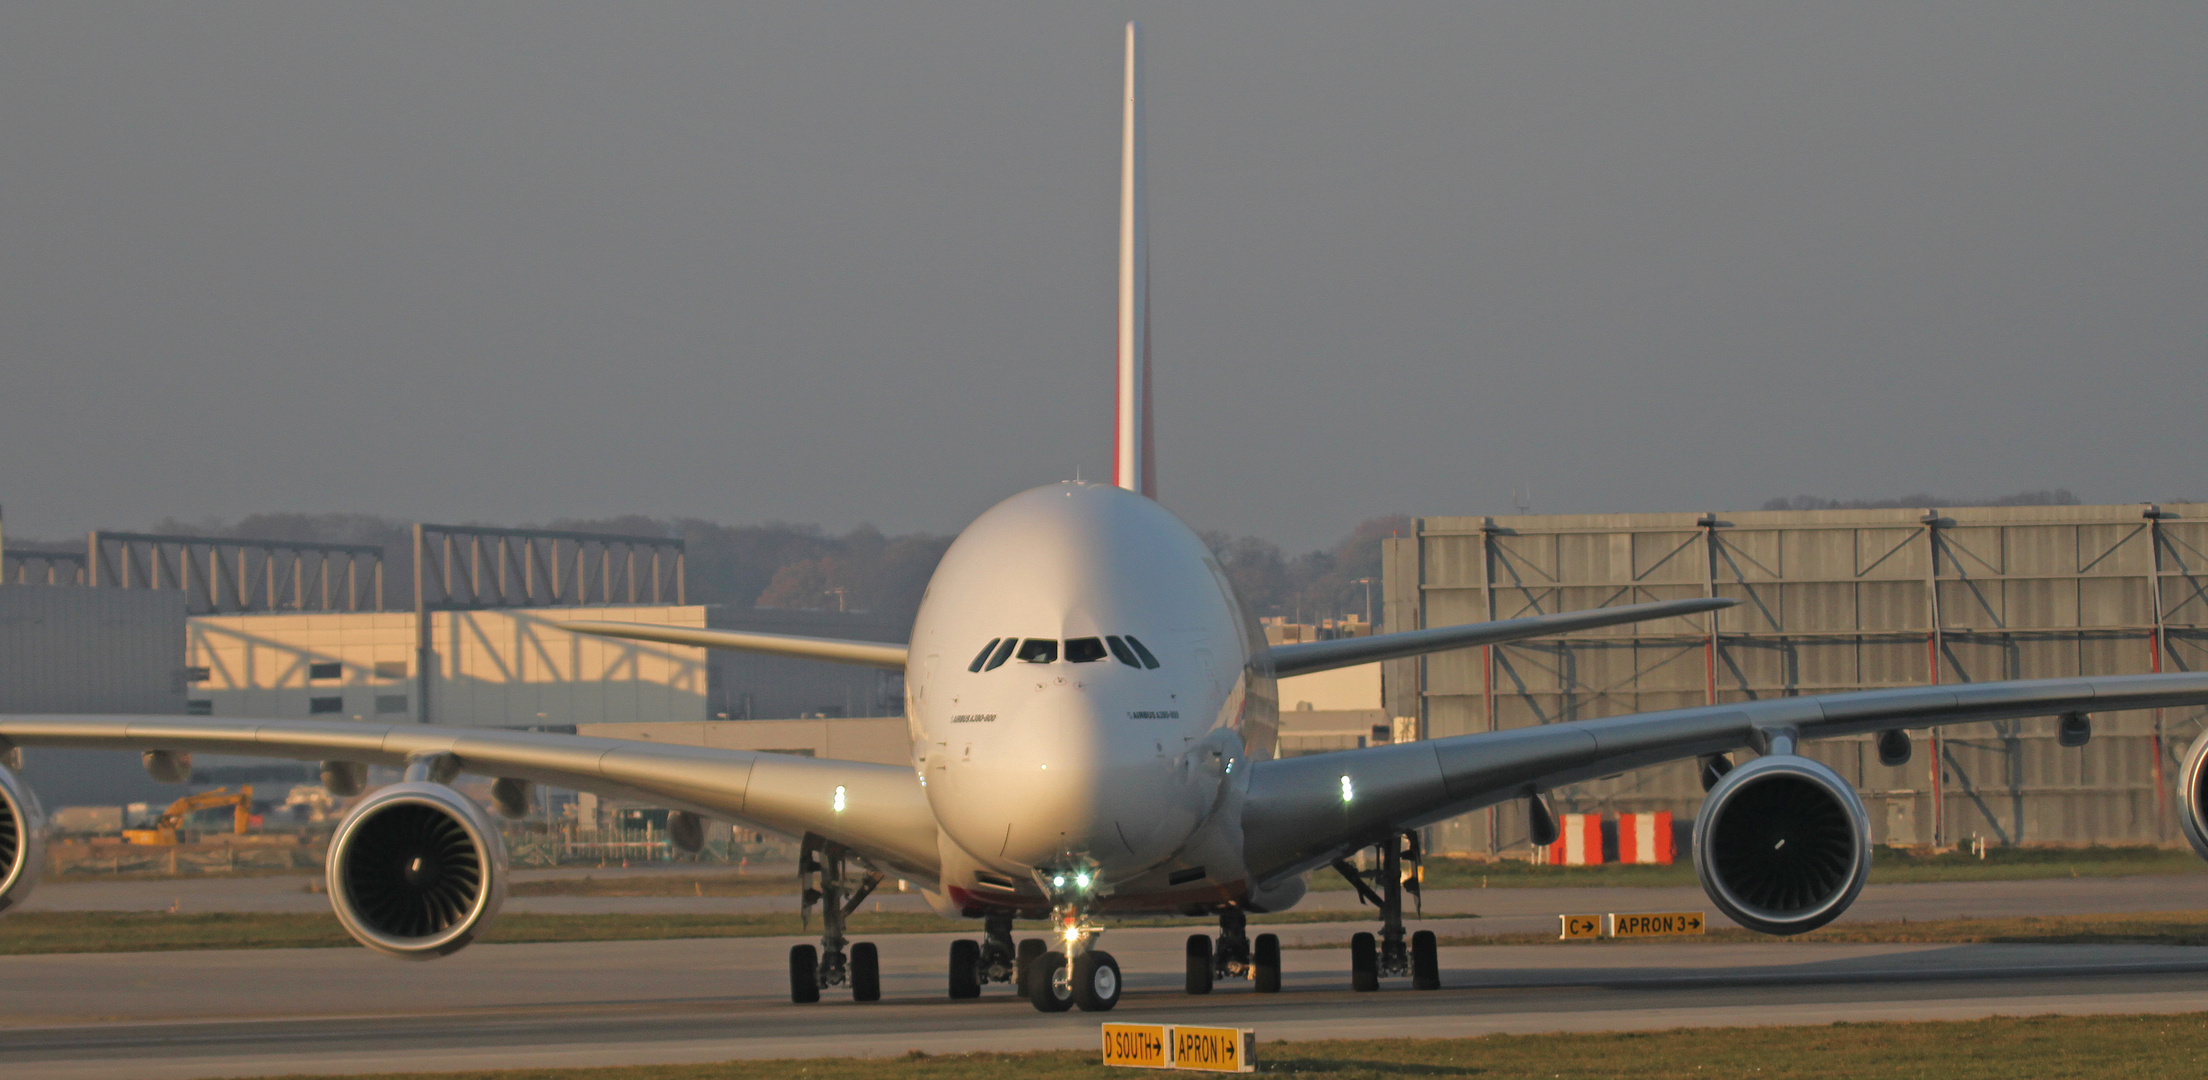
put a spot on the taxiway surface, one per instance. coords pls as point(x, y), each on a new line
point(172, 1016)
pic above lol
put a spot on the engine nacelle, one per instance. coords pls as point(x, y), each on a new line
point(416, 870)
point(2192, 796)
point(22, 839)
point(1782, 845)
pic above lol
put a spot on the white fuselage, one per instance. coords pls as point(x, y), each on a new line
point(1053, 761)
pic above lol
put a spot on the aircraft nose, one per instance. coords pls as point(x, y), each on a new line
point(1072, 783)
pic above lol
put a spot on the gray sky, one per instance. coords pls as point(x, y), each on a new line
point(840, 262)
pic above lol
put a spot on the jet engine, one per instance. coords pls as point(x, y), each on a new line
point(22, 839)
point(416, 870)
point(1782, 845)
point(2192, 795)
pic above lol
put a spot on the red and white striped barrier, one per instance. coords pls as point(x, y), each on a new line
point(1645, 838)
point(1581, 843)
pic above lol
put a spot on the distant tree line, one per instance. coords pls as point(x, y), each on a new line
point(2043, 497)
point(784, 565)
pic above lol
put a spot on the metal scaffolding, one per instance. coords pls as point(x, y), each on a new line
point(36, 567)
point(1832, 601)
point(221, 575)
point(468, 567)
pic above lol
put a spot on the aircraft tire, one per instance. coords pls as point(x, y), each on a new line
point(1096, 981)
point(1265, 963)
point(804, 974)
point(1047, 984)
point(1199, 964)
point(1364, 963)
point(1024, 961)
point(1425, 961)
point(965, 969)
point(866, 972)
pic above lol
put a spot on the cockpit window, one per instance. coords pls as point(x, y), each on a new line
point(1119, 649)
point(1039, 650)
point(1003, 653)
point(1148, 660)
point(982, 657)
point(1084, 650)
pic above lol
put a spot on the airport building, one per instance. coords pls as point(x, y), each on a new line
point(1832, 601)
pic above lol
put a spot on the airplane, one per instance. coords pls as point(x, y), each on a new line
point(1093, 715)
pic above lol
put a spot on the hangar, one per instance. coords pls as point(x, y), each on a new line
point(1834, 600)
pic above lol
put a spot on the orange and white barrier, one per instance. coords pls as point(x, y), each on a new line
point(1581, 842)
point(1645, 838)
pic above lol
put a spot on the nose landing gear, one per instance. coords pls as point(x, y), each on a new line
point(824, 874)
point(1083, 975)
point(1370, 959)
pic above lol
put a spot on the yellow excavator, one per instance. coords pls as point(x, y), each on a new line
point(164, 831)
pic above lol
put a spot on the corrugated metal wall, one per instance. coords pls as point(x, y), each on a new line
point(1833, 600)
point(66, 649)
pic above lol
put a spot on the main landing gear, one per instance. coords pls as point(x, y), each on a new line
point(1371, 960)
point(993, 959)
point(824, 872)
point(1234, 956)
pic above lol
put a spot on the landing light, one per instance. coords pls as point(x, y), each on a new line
point(1348, 792)
point(1081, 881)
point(839, 794)
point(1059, 881)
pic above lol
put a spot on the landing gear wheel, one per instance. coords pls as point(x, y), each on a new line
point(1023, 962)
point(804, 974)
point(1199, 964)
point(1364, 963)
point(1049, 985)
point(866, 972)
point(965, 969)
point(1096, 981)
point(1265, 963)
point(1425, 962)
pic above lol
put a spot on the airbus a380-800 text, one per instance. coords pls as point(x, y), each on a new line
point(1093, 717)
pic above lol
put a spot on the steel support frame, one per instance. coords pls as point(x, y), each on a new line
point(161, 561)
point(524, 570)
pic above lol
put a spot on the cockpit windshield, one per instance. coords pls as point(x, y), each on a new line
point(1087, 650)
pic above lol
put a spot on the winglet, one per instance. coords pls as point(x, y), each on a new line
point(1133, 464)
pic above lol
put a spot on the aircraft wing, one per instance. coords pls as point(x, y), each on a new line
point(1303, 812)
point(879, 810)
point(1306, 657)
point(867, 653)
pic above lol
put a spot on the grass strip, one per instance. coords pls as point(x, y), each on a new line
point(1889, 866)
point(35, 932)
point(1999, 1048)
point(2146, 928)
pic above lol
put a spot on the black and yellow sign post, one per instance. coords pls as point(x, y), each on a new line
point(1579, 927)
point(1654, 924)
point(1180, 1046)
point(1138, 1046)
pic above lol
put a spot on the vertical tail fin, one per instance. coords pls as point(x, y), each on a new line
point(1133, 466)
